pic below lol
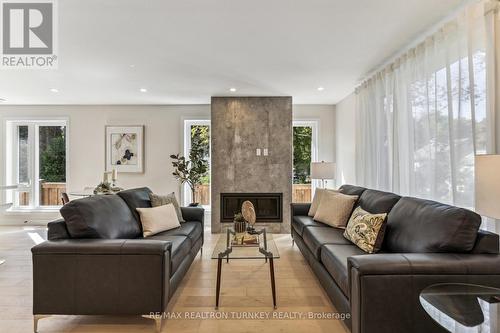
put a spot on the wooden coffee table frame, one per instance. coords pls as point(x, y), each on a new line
point(267, 255)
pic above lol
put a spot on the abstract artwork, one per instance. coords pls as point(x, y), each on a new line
point(124, 148)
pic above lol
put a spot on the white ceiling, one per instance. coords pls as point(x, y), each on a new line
point(185, 51)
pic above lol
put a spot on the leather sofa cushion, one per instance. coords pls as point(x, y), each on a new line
point(299, 223)
point(417, 225)
point(351, 190)
point(334, 258)
point(101, 216)
point(377, 202)
point(181, 246)
point(192, 230)
point(136, 198)
point(315, 237)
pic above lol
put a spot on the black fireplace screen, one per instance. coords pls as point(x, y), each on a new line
point(268, 206)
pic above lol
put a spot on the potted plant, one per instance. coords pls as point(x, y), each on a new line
point(190, 171)
point(240, 224)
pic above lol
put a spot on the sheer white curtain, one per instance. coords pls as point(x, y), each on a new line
point(421, 120)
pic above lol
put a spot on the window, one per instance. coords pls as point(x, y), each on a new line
point(36, 159)
point(197, 133)
point(304, 152)
point(449, 128)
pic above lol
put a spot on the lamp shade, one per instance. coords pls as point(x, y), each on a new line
point(323, 170)
point(487, 179)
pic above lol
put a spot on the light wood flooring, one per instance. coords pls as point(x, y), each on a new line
point(245, 290)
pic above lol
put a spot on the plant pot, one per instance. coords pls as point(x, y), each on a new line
point(240, 226)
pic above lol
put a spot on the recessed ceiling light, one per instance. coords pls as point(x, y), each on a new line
point(143, 90)
point(321, 88)
point(54, 90)
point(232, 89)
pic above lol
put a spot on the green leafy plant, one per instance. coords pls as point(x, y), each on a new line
point(239, 218)
point(53, 161)
point(193, 171)
point(302, 138)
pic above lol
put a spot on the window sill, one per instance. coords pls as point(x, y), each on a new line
point(18, 211)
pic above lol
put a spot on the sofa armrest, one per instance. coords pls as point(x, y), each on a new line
point(103, 246)
point(195, 214)
point(486, 242)
point(57, 230)
point(191, 214)
point(377, 280)
point(99, 277)
point(300, 209)
point(424, 263)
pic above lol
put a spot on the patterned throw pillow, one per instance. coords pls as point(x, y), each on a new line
point(161, 200)
point(366, 230)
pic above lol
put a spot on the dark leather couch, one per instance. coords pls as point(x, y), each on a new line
point(425, 243)
point(96, 261)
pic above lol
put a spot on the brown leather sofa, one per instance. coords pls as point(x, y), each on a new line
point(96, 261)
point(425, 243)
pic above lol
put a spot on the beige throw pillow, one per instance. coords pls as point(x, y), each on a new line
point(318, 194)
point(366, 230)
point(335, 208)
point(158, 219)
point(160, 200)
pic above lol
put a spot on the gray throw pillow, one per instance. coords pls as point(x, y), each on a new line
point(161, 200)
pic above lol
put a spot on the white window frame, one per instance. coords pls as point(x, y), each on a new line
point(11, 161)
point(187, 123)
point(314, 124)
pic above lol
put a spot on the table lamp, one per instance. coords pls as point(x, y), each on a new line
point(487, 180)
point(323, 170)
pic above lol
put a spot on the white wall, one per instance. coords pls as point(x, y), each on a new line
point(345, 141)
point(163, 136)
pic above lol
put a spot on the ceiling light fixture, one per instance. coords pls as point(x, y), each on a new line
point(54, 90)
point(131, 65)
point(143, 90)
point(321, 88)
point(232, 89)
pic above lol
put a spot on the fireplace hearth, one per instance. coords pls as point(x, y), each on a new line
point(241, 126)
point(268, 206)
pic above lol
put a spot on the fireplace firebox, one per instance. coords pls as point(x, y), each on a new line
point(268, 206)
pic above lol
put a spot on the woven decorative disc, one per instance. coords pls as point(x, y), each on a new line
point(248, 212)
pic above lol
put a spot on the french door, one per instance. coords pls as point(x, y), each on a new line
point(36, 160)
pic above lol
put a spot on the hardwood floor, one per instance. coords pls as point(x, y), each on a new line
point(245, 292)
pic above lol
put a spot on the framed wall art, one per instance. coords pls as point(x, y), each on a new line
point(125, 148)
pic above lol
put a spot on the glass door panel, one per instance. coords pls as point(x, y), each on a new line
point(51, 164)
point(23, 164)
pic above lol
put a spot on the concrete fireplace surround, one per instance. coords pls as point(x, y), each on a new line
point(240, 126)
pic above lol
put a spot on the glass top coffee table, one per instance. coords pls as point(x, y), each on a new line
point(461, 307)
point(265, 249)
